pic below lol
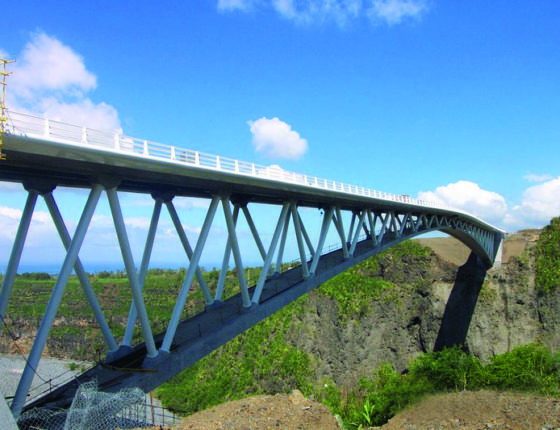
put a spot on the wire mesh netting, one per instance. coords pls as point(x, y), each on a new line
point(95, 410)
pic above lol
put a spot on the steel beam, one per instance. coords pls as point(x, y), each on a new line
point(306, 237)
point(133, 313)
point(270, 254)
point(188, 250)
point(225, 260)
point(337, 217)
point(282, 245)
point(254, 231)
point(15, 255)
point(301, 246)
point(81, 273)
point(357, 233)
point(181, 299)
point(327, 218)
point(54, 302)
point(131, 271)
point(351, 229)
point(236, 254)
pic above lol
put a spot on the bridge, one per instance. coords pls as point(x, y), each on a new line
point(43, 154)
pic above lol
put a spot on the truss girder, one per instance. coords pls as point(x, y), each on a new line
point(382, 229)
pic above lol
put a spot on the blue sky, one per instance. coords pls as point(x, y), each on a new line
point(451, 101)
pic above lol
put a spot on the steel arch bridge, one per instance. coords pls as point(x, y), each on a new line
point(43, 154)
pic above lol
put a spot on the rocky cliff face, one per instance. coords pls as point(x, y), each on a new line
point(435, 303)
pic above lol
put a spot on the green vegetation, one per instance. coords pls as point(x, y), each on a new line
point(257, 361)
point(548, 258)
point(358, 287)
point(530, 368)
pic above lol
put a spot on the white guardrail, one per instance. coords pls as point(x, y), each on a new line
point(42, 128)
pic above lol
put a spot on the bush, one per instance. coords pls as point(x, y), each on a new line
point(526, 368)
point(548, 258)
point(36, 276)
point(450, 369)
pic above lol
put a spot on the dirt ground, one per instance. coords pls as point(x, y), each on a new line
point(480, 410)
point(281, 411)
point(461, 411)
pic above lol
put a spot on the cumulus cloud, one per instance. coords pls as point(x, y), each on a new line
point(276, 139)
point(338, 11)
point(51, 79)
point(540, 203)
point(395, 11)
point(469, 197)
point(532, 177)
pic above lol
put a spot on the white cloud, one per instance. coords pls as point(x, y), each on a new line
point(540, 203)
point(276, 139)
point(395, 11)
point(11, 187)
point(51, 79)
point(532, 177)
point(310, 11)
point(231, 5)
point(468, 196)
point(338, 11)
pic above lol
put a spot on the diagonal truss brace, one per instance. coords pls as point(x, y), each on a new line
point(54, 301)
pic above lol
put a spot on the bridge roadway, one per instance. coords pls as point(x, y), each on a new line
point(44, 154)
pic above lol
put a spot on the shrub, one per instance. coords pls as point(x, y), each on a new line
point(547, 276)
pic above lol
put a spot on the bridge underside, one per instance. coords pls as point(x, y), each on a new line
point(198, 336)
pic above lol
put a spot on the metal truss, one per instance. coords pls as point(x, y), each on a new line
point(371, 230)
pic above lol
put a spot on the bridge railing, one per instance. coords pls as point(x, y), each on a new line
point(57, 131)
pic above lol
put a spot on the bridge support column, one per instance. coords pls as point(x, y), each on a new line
point(337, 218)
point(54, 302)
point(188, 250)
point(306, 237)
point(81, 273)
point(131, 271)
point(372, 221)
point(297, 227)
point(193, 266)
point(351, 229)
point(133, 313)
point(327, 218)
point(270, 255)
point(15, 255)
point(225, 260)
point(254, 231)
point(280, 255)
point(357, 233)
point(236, 254)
